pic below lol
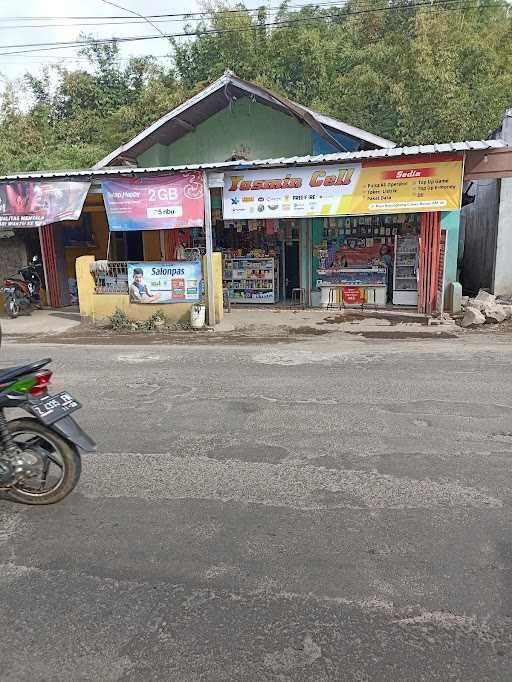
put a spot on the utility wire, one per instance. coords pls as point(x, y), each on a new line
point(130, 11)
point(239, 10)
point(44, 47)
point(173, 18)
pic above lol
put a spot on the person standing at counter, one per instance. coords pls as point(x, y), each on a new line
point(386, 258)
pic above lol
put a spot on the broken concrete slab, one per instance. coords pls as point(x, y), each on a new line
point(485, 297)
point(507, 309)
point(494, 313)
point(472, 318)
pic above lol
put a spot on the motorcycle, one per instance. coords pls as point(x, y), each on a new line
point(21, 290)
point(40, 459)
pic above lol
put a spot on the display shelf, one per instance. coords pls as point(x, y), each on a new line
point(250, 280)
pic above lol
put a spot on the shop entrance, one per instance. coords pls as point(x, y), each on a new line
point(134, 246)
point(290, 268)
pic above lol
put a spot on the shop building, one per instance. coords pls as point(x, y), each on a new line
point(351, 220)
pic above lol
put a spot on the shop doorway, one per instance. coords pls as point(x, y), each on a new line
point(291, 268)
point(134, 246)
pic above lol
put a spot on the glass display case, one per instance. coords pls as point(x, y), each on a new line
point(405, 274)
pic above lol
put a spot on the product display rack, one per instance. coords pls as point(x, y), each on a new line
point(355, 277)
point(405, 275)
point(251, 280)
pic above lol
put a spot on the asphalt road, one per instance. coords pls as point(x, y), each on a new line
point(312, 511)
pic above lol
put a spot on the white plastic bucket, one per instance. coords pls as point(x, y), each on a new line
point(197, 316)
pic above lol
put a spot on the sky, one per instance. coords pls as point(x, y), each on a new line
point(24, 29)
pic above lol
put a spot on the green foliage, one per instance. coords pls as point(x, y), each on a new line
point(406, 70)
point(119, 320)
point(157, 322)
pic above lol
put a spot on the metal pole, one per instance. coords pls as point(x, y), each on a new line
point(209, 250)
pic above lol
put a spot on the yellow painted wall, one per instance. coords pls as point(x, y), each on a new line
point(85, 283)
point(101, 306)
point(217, 280)
point(106, 304)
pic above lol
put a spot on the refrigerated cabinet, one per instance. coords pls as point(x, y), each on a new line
point(405, 274)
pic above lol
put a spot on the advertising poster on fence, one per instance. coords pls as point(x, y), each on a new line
point(177, 282)
point(154, 203)
point(34, 204)
point(370, 187)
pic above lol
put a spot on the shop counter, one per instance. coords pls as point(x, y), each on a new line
point(352, 286)
point(345, 294)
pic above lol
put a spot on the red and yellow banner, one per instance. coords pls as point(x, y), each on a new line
point(406, 185)
point(413, 185)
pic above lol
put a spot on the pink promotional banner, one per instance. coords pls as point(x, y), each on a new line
point(33, 204)
point(156, 203)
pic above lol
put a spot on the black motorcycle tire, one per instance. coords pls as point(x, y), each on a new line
point(70, 458)
point(12, 308)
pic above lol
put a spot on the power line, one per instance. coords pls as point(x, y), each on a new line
point(134, 22)
point(161, 16)
point(130, 11)
point(44, 47)
point(185, 15)
point(176, 18)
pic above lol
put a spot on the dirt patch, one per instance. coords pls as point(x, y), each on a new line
point(307, 331)
point(154, 339)
point(403, 336)
point(393, 320)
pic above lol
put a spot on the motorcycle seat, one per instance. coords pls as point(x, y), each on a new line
point(11, 373)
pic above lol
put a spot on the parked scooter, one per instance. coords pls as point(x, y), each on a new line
point(39, 455)
point(21, 290)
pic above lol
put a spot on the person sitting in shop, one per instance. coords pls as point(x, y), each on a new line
point(340, 261)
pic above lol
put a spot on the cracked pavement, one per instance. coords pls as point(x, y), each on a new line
point(328, 509)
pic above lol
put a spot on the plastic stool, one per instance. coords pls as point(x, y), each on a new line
point(298, 298)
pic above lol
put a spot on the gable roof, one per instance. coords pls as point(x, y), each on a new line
point(217, 96)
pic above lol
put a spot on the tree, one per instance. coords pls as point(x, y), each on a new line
point(409, 71)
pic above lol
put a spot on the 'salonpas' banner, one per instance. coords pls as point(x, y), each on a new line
point(417, 184)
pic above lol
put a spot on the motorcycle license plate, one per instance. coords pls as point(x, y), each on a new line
point(51, 408)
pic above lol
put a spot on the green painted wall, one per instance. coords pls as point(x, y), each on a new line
point(450, 222)
point(247, 127)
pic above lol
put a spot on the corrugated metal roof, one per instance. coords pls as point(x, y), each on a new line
point(206, 103)
point(418, 150)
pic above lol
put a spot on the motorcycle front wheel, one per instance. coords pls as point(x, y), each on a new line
point(12, 308)
point(61, 463)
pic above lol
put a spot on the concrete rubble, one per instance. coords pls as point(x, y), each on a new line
point(484, 308)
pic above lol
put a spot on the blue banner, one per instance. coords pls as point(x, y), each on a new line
point(175, 282)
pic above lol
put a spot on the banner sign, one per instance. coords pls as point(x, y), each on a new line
point(155, 203)
point(34, 204)
point(176, 282)
point(413, 185)
point(354, 295)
